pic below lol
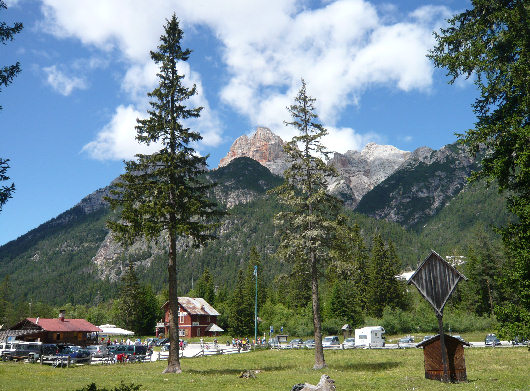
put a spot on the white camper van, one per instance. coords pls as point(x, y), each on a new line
point(370, 337)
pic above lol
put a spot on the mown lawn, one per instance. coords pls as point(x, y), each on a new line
point(487, 369)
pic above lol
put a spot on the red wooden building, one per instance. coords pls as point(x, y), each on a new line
point(57, 330)
point(196, 318)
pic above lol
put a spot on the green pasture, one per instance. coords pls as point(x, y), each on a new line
point(487, 369)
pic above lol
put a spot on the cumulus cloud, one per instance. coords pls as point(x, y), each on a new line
point(341, 49)
point(117, 138)
point(61, 82)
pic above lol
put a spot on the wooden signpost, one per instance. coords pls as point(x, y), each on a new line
point(436, 280)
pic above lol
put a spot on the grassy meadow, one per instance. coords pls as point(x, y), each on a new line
point(487, 369)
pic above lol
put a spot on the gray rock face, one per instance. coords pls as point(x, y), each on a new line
point(263, 146)
point(358, 171)
point(421, 186)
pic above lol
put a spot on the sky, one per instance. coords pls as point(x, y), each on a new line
point(68, 118)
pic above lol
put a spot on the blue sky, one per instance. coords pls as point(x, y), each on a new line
point(68, 118)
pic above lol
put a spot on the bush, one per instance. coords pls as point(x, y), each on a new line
point(121, 387)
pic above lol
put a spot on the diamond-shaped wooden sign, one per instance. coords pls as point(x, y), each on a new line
point(436, 280)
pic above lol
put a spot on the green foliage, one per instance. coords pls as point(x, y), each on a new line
point(491, 41)
point(205, 287)
point(308, 225)
point(7, 73)
point(121, 387)
point(137, 308)
point(382, 288)
point(241, 315)
point(163, 192)
point(6, 192)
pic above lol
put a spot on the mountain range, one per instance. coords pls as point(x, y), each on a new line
point(420, 200)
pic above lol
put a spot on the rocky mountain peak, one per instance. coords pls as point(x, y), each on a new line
point(263, 146)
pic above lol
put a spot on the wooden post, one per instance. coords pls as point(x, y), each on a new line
point(445, 377)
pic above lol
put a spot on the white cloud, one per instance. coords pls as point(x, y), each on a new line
point(341, 49)
point(62, 83)
point(117, 139)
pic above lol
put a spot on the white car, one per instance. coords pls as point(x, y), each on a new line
point(349, 343)
point(330, 341)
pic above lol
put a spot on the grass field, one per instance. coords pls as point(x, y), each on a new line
point(487, 369)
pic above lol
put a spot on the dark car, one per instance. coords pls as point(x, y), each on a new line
point(76, 352)
point(491, 340)
point(128, 349)
point(162, 341)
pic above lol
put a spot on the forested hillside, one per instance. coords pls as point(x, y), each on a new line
point(54, 262)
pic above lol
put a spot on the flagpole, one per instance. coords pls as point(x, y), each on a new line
point(256, 309)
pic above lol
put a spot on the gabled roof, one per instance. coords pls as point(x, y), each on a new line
point(195, 306)
point(446, 337)
point(56, 325)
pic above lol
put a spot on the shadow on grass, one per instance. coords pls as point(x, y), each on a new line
point(234, 371)
point(369, 367)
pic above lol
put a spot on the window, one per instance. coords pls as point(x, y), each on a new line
point(362, 336)
point(195, 323)
point(58, 336)
point(79, 336)
point(182, 333)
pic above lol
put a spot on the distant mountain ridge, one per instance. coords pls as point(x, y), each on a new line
point(358, 171)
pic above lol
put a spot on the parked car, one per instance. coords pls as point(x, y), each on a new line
point(128, 349)
point(296, 343)
point(459, 337)
point(329, 341)
point(274, 343)
point(349, 343)
point(76, 352)
point(491, 340)
point(407, 339)
point(162, 341)
point(309, 343)
point(427, 337)
point(519, 341)
point(98, 350)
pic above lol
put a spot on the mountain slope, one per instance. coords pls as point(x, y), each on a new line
point(420, 187)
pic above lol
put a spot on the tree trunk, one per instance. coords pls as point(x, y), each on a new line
point(319, 350)
point(173, 363)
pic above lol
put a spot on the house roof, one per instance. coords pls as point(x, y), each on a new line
point(195, 306)
point(446, 337)
point(56, 325)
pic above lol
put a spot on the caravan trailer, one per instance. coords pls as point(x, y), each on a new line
point(370, 337)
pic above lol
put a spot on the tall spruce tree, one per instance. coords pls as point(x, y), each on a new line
point(7, 74)
point(205, 287)
point(491, 42)
point(162, 193)
point(383, 289)
point(308, 225)
point(137, 307)
point(241, 318)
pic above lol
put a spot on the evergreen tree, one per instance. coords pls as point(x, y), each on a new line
point(7, 74)
point(162, 193)
point(205, 287)
point(491, 42)
point(137, 307)
point(241, 316)
point(6, 302)
point(383, 288)
point(309, 224)
point(481, 293)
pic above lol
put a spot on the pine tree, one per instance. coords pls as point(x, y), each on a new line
point(241, 316)
point(205, 287)
point(309, 224)
point(7, 74)
point(383, 289)
point(162, 193)
point(136, 308)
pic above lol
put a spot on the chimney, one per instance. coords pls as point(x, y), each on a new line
point(61, 315)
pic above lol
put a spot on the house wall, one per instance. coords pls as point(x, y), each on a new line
point(190, 326)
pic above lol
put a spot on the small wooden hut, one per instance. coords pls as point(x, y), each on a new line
point(432, 356)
